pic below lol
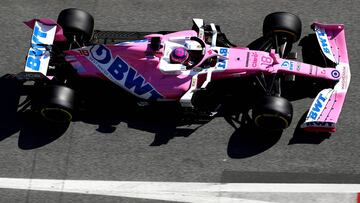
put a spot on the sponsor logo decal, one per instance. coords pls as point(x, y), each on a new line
point(324, 43)
point(37, 49)
point(255, 59)
point(223, 62)
point(335, 74)
point(122, 73)
point(323, 40)
point(316, 109)
point(320, 124)
point(343, 78)
point(264, 60)
point(288, 64)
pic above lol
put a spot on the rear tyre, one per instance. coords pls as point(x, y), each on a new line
point(272, 113)
point(55, 103)
point(10, 90)
point(76, 24)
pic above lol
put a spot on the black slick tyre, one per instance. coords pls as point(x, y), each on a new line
point(78, 23)
point(272, 113)
point(55, 103)
point(283, 23)
point(10, 90)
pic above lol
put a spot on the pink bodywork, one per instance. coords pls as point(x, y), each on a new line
point(330, 113)
point(240, 62)
point(59, 35)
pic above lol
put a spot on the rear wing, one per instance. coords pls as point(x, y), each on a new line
point(326, 107)
point(45, 32)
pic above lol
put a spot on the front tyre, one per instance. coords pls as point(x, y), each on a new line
point(272, 113)
point(283, 29)
point(286, 24)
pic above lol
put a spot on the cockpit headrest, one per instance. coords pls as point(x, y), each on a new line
point(193, 45)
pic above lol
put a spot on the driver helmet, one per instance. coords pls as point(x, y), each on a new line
point(179, 55)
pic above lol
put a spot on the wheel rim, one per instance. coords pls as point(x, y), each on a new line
point(56, 115)
point(293, 35)
point(271, 121)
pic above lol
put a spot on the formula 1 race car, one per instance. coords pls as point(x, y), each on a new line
point(198, 69)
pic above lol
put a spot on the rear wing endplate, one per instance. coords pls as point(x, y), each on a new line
point(38, 56)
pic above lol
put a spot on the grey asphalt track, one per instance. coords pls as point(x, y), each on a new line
point(214, 152)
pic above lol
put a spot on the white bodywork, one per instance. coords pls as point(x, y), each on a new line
point(38, 55)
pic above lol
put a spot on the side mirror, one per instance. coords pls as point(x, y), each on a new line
point(155, 43)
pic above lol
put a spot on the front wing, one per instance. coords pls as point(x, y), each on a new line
point(326, 107)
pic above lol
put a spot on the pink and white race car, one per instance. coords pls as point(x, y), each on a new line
point(199, 69)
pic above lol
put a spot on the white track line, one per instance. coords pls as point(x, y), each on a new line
point(172, 191)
